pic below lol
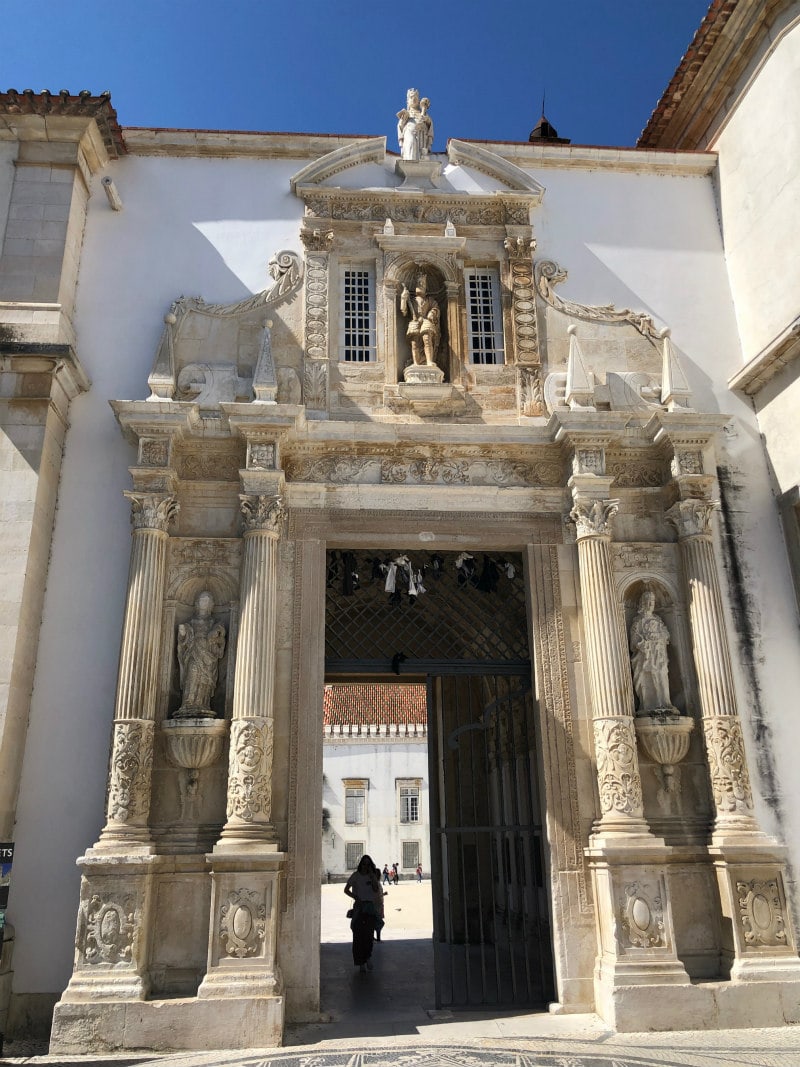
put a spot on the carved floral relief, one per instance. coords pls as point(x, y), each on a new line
point(131, 766)
point(250, 770)
point(617, 772)
point(730, 780)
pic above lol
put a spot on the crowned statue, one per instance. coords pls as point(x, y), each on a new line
point(414, 127)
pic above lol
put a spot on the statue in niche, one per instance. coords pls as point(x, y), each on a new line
point(414, 127)
point(424, 330)
point(649, 638)
point(201, 644)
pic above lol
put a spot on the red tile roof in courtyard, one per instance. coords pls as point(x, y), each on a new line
point(365, 704)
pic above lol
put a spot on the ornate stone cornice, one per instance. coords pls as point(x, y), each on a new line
point(377, 205)
point(152, 511)
point(262, 512)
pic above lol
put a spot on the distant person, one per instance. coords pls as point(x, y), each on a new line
point(386, 876)
point(395, 874)
point(361, 887)
point(419, 872)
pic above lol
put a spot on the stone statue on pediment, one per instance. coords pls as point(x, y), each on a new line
point(414, 127)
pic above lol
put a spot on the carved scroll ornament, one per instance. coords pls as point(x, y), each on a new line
point(730, 780)
point(548, 275)
point(131, 766)
point(242, 923)
point(250, 770)
point(617, 774)
point(105, 934)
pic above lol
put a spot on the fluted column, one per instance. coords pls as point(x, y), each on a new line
point(730, 781)
point(249, 811)
point(618, 779)
point(128, 806)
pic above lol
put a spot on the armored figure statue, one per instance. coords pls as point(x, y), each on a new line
point(649, 638)
point(424, 331)
point(201, 644)
point(414, 127)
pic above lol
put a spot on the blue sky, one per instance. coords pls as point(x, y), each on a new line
point(343, 67)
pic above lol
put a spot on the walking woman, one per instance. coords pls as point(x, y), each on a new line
point(362, 886)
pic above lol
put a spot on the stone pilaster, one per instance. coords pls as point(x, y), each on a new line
point(249, 812)
point(318, 244)
point(132, 749)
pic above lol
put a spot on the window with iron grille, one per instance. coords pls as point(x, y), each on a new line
point(353, 851)
point(484, 315)
point(409, 803)
point(410, 852)
point(354, 805)
point(357, 317)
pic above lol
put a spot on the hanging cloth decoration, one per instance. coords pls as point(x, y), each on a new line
point(490, 576)
point(465, 565)
point(350, 573)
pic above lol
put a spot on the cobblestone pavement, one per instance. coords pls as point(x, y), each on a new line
point(386, 1019)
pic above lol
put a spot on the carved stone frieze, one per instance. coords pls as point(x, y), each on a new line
point(105, 929)
point(642, 557)
point(262, 512)
point(210, 466)
point(242, 922)
point(315, 385)
point(250, 770)
point(617, 773)
point(131, 768)
point(589, 461)
point(474, 467)
point(687, 461)
point(730, 779)
point(523, 307)
point(377, 208)
point(641, 914)
point(549, 274)
point(154, 451)
point(762, 913)
point(692, 518)
point(593, 517)
point(261, 456)
point(194, 551)
point(152, 511)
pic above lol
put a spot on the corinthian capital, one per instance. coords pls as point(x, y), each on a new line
point(593, 517)
point(152, 511)
point(262, 512)
point(692, 517)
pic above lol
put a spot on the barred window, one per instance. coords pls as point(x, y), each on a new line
point(484, 316)
point(353, 851)
point(410, 853)
point(357, 319)
point(409, 804)
point(354, 805)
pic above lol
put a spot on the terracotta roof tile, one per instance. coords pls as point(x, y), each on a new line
point(393, 703)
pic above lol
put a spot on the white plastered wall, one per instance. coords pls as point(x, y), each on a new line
point(8, 153)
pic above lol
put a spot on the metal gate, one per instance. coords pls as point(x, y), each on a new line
point(492, 943)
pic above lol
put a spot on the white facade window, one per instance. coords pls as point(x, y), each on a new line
point(484, 315)
point(355, 805)
point(357, 315)
point(353, 851)
point(409, 803)
point(410, 851)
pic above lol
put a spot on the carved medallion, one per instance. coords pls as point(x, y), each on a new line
point(761, 911)
point(642, 915)
point(106, 927)
point(242, 923)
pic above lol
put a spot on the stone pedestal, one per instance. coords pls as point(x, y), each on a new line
point(418, 173)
